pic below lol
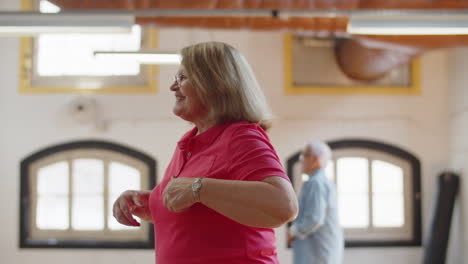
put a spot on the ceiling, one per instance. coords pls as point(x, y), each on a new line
point(361, 57)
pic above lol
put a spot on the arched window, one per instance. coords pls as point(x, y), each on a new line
point(378, 188)
point(67, 193)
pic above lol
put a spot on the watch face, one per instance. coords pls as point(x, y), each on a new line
point(196, 186)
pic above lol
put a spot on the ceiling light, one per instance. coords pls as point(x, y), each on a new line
point(406, 24)
point(33, 23)
point(142, 57)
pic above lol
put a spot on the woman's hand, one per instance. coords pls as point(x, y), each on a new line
point(132, 203)
point(178, 194)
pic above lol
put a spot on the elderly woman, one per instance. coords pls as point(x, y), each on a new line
point(225, 189)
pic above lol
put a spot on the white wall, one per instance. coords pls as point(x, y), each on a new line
point(418, 124)
point(458, 112)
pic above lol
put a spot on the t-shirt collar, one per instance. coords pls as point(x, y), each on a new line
point(205, 138)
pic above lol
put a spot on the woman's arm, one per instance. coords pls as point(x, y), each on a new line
point(269, 203)
point(132, 203)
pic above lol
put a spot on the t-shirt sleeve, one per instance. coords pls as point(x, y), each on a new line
point(252, 157)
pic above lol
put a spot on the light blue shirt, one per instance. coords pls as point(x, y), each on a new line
point(319, 237)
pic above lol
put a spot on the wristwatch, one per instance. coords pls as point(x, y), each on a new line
point(196, 187)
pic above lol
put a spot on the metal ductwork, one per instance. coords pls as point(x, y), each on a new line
point(363, 61)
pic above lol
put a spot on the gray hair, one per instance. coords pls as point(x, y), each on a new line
point(321, 150)
point(225, 83)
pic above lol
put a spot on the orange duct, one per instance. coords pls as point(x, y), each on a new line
point(363, 62)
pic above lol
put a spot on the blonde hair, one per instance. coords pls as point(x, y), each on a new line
point(225, 83)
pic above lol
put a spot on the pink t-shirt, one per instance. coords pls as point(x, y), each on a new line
point(232, 151)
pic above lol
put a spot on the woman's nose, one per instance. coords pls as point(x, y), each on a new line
point(174, 86)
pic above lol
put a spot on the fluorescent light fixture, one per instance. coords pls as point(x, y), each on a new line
point(401, 24)
point(143, 57)
point(33, 23)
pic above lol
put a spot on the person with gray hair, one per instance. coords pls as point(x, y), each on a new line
point(316, 235)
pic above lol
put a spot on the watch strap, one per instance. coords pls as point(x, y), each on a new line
point(196, 187)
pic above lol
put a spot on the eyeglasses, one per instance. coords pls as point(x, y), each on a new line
point(179, 78)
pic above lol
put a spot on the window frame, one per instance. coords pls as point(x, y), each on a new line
point(27, 240)
point(415, 237)
point(372, 233)
point(291, 88)
point(145, 82)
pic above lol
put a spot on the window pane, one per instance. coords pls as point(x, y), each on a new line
point(73, 54)
point(386, 177)
point(353, 191)
point(388, 210)
point(52, 212)
point(329, 171)
point(88, 199)
point(352, 175)
point(88, 212)
point(88, 176)
point(388, 195)
point(353, 210)
point(121, 177)
point(305, 177)
point(52, 196)
point(48, 7)
point(53, 179)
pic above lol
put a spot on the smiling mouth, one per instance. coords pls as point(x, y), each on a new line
point(179, 98)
